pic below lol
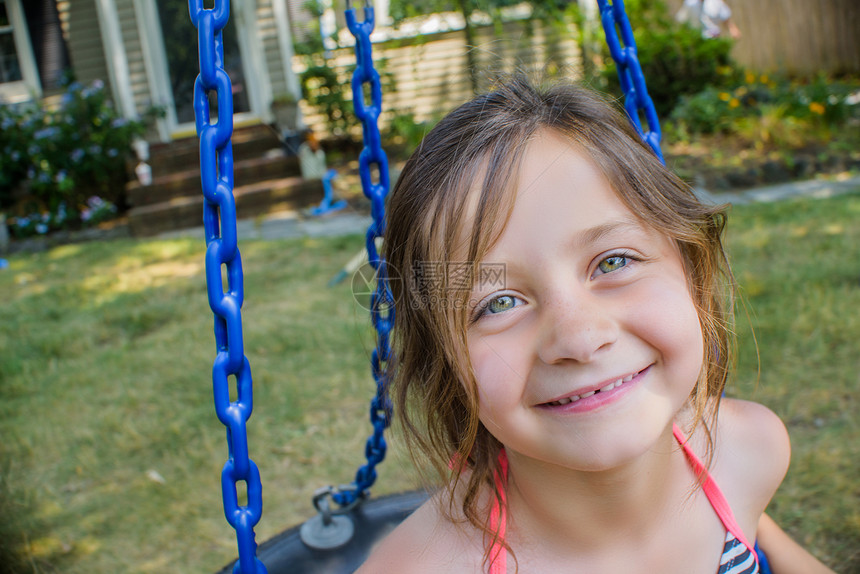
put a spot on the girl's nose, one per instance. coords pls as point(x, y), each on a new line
point(576, 327)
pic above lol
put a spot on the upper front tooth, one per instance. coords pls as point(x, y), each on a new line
point(628, 378)
point(611, 386)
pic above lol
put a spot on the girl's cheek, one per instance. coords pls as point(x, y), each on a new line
point(494, 363)
point(670, 321)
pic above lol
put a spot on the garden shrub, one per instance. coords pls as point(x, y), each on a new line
point(760, 102)
point(324, 90)
point(59, 165)
point(403, 133)
point(674, 57)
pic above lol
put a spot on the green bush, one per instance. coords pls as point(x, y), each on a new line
point(54, 161)
point(404, 133)
point(675, 59)
point(18, 124)
point(324, 90)
point(729, 109)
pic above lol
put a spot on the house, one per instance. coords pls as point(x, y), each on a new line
point(145, 53)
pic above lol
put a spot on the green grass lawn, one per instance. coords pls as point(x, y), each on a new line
point(111, 453)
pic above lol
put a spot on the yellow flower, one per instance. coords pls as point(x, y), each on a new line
point(741, 91)
point(816, 108)
point(734, 102)
point(750, 77)
point(763, 78)
point(725, 96)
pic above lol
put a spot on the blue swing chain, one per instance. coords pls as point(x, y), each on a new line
point(219, 219)
point(636, 98)
point(381, 301)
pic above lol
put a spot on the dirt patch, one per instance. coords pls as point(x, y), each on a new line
point(724, 164)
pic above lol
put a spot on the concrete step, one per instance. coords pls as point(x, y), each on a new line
point(186, 182)
point(248, 142)
point(268, 196)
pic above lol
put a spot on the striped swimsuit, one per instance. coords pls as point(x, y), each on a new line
point(738, 556)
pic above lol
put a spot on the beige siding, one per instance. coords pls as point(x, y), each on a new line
point(86, 51)
point(268, 30)
point(431, 74)
point(134, 54)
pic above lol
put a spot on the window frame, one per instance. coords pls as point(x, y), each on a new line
point(29, 86)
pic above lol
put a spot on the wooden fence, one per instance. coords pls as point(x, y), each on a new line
point(796, 36)
point(431, 75)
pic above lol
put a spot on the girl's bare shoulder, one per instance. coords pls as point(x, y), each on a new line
point(751, 456)
point(426, 542)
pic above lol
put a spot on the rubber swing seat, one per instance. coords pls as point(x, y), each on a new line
point(373, 520)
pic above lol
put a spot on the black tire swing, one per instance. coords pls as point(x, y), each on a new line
point(373, 520)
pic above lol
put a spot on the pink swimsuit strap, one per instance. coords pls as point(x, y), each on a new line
point(499, 556)
point(712, 491)
point(498, 553)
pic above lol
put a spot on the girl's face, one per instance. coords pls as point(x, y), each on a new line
point(593, 345)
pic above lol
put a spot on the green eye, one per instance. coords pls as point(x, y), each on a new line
point(612, 263)
point(500, 304)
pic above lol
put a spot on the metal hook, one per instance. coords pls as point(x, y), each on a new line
point(328, 529)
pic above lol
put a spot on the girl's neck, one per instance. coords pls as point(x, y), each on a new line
point(572, 509)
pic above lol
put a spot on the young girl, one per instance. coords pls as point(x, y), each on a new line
point(562, 341)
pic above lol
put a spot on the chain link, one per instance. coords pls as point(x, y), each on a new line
point(219, 220)
point(636, 98)
point(372, 158)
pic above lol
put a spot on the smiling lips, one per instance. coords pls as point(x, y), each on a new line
point(604, 389)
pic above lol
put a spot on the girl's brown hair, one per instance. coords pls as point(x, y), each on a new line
point(448, 207)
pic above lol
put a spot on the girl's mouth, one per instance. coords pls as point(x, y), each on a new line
point(604, 389)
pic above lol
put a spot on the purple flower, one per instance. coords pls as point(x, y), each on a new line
point(112, 152)
point(77, 155)
point(41, 228)
point(86, 214)
point(45, 133)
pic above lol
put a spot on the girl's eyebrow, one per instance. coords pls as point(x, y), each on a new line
point(598, 232)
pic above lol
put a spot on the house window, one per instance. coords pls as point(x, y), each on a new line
point(19, 76)
point(10, 67)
